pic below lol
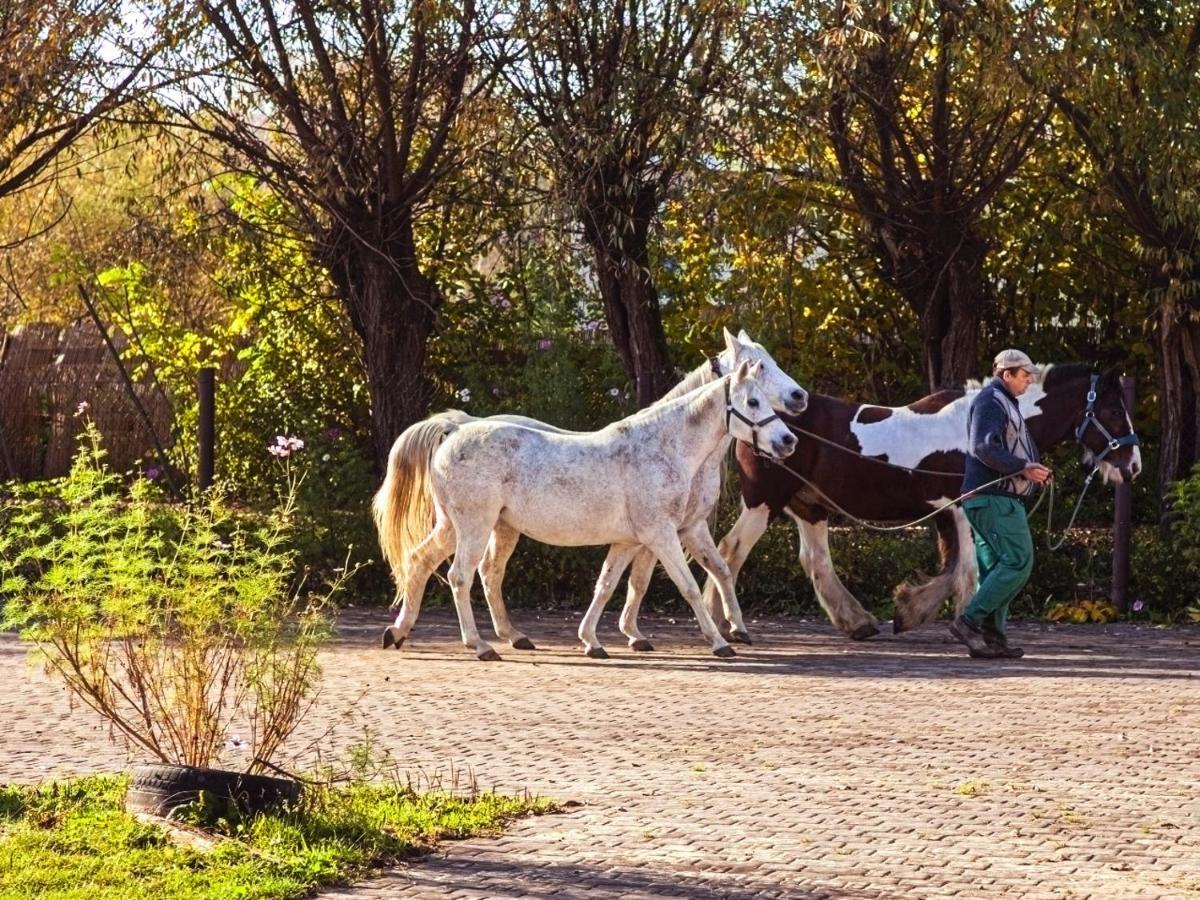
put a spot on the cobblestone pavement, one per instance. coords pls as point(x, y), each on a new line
point(809, 766)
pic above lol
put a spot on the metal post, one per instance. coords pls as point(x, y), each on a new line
point(208, 429)
point(1122, 522)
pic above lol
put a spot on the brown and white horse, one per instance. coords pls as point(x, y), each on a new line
point(840, 460)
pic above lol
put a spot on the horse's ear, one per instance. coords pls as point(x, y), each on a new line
point(743, 371)
point(745, 338)
point(731, 343)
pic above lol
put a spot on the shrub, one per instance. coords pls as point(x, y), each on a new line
point(167, 620)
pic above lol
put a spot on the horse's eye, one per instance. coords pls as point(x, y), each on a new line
point(752, 403)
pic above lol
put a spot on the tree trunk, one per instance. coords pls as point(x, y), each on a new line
point(631, 302)
point(393, 307)
point(1178, 350)
point(947, 291)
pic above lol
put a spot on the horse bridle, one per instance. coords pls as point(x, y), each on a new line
point(1089, 419)
point(730, 412)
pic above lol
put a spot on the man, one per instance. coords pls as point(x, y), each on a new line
point(1000, 446)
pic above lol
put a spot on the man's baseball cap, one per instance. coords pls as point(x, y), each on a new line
point(1012, 359)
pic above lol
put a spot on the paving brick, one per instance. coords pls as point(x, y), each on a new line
point(806, 767)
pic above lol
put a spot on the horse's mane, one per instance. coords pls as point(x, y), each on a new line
point(691, 381)
point(1055, 375)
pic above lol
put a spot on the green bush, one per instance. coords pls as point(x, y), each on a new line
point(167, 620)
point(870, 564)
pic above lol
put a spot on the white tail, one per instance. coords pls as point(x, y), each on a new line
point(403, 506)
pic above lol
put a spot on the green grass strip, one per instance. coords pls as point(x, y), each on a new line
point(72, 840)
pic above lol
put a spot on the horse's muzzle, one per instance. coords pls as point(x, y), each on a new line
point(797, 401)
point(783, 447)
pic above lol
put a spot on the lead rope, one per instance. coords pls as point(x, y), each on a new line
point(886, 528)
point(1071, 522)
point(863, 522)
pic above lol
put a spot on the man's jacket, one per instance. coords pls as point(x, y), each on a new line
point(999, 443)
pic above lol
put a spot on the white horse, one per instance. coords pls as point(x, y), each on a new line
point(784, 395)
point(629, 485)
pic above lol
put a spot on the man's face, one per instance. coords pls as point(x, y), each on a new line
point(1017, 382)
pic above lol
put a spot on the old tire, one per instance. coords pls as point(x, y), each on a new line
point(160, 789)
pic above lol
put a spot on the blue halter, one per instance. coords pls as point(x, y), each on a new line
point(1089, 419)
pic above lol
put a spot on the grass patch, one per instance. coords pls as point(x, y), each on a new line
point(72, 840)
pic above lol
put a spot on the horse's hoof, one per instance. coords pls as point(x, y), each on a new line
point(392, 637)
point(641, 646)
point(523, 643)
point(862, 632)
point(741, 637)
point(898, 624)
point(725, 652)
point(597, 653)
point(489, 655)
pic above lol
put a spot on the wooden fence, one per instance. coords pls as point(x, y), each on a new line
point(46, 373)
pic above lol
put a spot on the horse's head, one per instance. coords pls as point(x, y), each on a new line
point(748, 414)
point(1091, 407)
point(783, 393)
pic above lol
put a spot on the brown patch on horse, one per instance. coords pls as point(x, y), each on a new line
point(869, 415)
point(952, 462)
point(929, 405)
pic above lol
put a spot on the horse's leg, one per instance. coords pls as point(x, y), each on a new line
point(669, 552)
point(428, 555)
point(468, 554)
point(966, 565)
point(734, 548)
point(639, 582)
point(618, 559)
point(844, 611)
point(917, 604)
point(698, 541)
point(491, 573)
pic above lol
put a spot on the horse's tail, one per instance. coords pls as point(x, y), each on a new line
point(403, 507)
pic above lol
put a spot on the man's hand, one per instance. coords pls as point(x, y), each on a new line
point(1037, 473)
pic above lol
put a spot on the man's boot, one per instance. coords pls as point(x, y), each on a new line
point(967, 632)
point(998, 644)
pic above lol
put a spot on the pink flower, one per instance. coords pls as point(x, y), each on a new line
point(285, 446)
point(1138, 605)
point(545, 344)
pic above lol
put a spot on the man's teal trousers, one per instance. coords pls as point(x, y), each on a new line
point(1004, 549)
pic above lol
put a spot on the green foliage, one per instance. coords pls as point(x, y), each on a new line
point(278, 338)
point(528, 340)
point(72, 840)
point(1185, 536)
point(164, 619)
point(1185, 509)
point(871, 565)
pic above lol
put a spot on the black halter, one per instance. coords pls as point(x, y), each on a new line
point(730, 412)
point(1089, 419)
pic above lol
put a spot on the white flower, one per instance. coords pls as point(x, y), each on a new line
point(614, 392)
point(464, 396)
point(83, 407)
